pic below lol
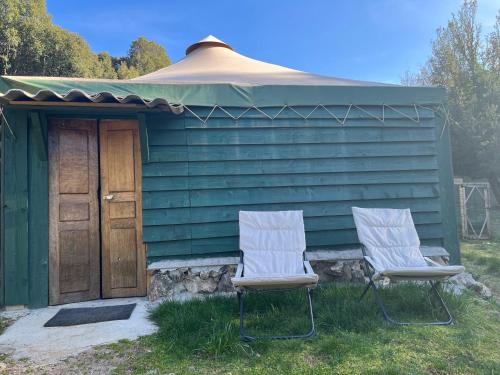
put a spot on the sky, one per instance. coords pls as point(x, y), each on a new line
point(373, 40)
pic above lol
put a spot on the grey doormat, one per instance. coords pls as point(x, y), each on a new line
point(86, 315)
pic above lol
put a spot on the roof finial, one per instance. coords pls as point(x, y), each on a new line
point(209, 41)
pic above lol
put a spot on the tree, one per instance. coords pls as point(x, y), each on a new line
point(144, 57)
point(124, 72)
point(22, 28)
point(105, 68)
point(492, 54)
point(147, 56)
point(467, 65)
point(30, 44)
point(68, 55)
point(9, 37)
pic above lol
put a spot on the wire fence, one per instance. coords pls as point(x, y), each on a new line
point(474, 206)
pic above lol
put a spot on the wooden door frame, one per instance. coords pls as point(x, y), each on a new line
point(139, 145)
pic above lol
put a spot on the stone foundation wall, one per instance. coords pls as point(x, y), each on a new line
point(341, 270)
point(190, 281)
point(201, 280)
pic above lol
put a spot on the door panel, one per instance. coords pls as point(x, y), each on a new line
point(123, 255)
point(74, 159)
point(74, 267)
point(121, 176)
point(123, 252)
point(74, 260)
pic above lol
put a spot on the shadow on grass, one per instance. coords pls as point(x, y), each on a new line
point(210, 327)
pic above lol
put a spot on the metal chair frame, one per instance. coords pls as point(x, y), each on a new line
point(387, 317)
point(243, 334)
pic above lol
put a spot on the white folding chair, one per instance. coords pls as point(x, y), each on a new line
point(272, 248)
point(391, 247)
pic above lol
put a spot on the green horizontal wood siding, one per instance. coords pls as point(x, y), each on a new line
point(200, 175)
point(273, 167)
point(188, 215)
point(290, 151)
point(276, 136)
point(229, 228)
point(297, 179)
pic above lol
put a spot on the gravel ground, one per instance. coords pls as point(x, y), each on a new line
point(101, 360)
point(96, 361)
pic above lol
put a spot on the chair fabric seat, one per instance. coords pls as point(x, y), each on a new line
point(276, 282)
point(421, 273)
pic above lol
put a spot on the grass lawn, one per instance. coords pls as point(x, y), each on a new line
point(202, 336)
point(483, 261)
point(482, 258)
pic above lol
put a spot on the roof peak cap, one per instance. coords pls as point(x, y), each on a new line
point(208, 41)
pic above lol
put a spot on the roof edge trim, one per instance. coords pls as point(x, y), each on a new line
point(79, 96)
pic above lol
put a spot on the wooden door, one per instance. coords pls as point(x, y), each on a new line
point(123, 252)
point(74, 264)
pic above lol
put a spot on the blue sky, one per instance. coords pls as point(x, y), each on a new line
point(375, 40)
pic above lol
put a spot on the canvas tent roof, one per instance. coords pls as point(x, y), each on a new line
point(212, 73)
point(211, 61)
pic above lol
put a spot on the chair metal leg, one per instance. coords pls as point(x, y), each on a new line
point(365, 291)
point(393, 321)
point(443, 304)
point(386, 314)
point(242, 329)
point(245, 337)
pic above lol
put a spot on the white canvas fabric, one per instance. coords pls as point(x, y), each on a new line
point(389, 236)
point(393, 246)
point(273, 243)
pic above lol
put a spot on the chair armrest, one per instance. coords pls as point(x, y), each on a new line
point(369, 260)
point(432, 262)
point(377, 270)
point(239, 270)
point(308, 268)
point(373, 263)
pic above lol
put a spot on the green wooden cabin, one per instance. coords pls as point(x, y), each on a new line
point(216, 133)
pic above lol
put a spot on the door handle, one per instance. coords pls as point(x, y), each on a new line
point(108, 197)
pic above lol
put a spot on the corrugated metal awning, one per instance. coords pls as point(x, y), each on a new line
point(19, 96)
